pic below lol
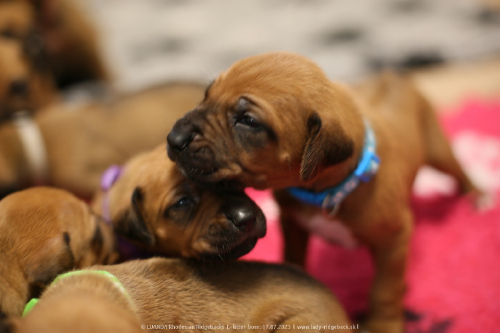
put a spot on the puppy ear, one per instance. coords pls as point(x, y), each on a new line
point(326, 146)
point(132, 225)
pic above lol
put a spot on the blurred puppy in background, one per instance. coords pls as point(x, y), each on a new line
point(150, 202)
point(44, 232)
point(25, 82)
point(67, 36)
point(188, 294)
point(74, 148)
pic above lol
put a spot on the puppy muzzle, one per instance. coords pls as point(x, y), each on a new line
point(245, 224)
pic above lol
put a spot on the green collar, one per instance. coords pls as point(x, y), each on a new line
point(29, 306)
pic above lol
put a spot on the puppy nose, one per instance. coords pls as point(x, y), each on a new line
point(181, 135)
point(242, 214)
point(19, 87)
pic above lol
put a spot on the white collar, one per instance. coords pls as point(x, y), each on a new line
point(34, 147)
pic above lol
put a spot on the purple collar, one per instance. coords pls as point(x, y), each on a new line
point(108, 178)
point(127, 250)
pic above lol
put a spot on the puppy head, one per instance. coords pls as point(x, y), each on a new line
point(154, 204)
point(44, 232)
point(24, 82)
point(271, 120)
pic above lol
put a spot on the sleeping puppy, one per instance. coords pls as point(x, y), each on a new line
point(68, 37)
point(75, 146)
point(344, 159)
point(186, 296)
point(24, 83)
point(150, 202)
point(44, 232)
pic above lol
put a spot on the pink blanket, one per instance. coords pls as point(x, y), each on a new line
point(454, 266)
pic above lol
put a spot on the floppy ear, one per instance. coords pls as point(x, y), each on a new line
point(132, 224)
point(326, 146)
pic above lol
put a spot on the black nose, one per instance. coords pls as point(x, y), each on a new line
point(19, 87)
point(243, 214)
point(181, 135)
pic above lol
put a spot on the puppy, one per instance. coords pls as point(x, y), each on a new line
point(189, 295)
point(44, 232)
point(67, 36)
point(276, 121)
point(77, 147)
point(24, 82)
point(84, 304)
point(153, 204)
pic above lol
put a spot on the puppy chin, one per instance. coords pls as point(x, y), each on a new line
point(234, 252)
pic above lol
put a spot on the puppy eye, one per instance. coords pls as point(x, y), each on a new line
point(7, 33)
point(183, 203)
point(249, 121)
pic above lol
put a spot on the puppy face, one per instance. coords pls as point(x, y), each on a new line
point(23, 84)
point(269, 121)
point(154, 204)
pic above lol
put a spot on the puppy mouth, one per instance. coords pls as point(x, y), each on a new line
point(234, 253)
point(211, 178)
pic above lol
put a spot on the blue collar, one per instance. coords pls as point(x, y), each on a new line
point(331, 198)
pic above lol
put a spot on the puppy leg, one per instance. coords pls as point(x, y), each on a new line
point(296, 240)
point(295, 237)
point(438, 150)
point(390, 252)
point(440, 156)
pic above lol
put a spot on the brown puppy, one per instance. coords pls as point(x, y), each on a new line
point(44, 232)
point(154, 204)
point(276, 121)
point(188, 295)
point(66, 34)
point(85, 304)
point(81, 144)
point(24, 84)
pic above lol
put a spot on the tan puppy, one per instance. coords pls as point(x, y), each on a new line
point(44, 232)
point(154, 204)
point(81, 144)
point(85, 304)
point(67, 36)
point(24, 83)
point(276, 121)
point(188, 295)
